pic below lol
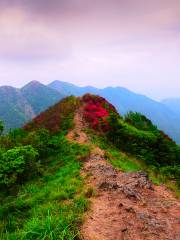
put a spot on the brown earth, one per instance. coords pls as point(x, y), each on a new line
point(127, 206)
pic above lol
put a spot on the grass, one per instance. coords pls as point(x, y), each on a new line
point(117, 158)
point(121, 161)
point(49, 207)
point(128, 163)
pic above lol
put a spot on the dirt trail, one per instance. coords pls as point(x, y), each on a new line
point(127, 206)
point(77, 134)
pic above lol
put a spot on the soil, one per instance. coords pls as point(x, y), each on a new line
point(127, 206)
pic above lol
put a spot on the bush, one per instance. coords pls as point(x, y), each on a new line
point(139, 121)
point(97, 111)
point(149, 145)
point(38, 140)
point(15, 162)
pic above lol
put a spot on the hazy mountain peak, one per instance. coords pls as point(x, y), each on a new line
point(33, 84)
point(173, 104)
point(8, 88)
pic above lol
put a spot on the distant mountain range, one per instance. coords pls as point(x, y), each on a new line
point(173, 104)
point(165, 116)
point(20, 105)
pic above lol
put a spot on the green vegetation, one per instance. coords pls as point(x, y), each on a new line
point(16, 162)
point(117, 158)
point(56, 118)
point(1, 127)
point(122, 161)
point(49, 206)
point(134, 135)
point(139, 121)
point(42, 192)
point(137, 136)
point(129, 163)
point(18, 106)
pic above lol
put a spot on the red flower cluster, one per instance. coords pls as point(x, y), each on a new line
point(97, 111)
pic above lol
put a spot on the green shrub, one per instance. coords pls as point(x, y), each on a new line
point(172, 172)
point(150, 145)
point(38, 140)
point(139, 121)
point(50, 205)
point(14, 162)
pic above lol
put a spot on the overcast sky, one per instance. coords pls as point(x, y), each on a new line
point(129, 43)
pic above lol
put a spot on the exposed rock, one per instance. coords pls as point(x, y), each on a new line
point(127, 206)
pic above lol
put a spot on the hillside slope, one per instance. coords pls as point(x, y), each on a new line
point(81, 171)
point(126, 205)
point(21, 105)
point(173, 104)
point(18, 106)
point(124, 100)
point(14, 109)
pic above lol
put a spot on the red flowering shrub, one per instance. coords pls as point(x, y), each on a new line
point(96, 111)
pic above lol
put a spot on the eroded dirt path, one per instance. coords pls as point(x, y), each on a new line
point(77, 134)
point(127, 205)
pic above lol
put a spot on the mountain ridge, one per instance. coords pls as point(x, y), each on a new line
point(20, 105)
point(173, 104)
point(81, 170)
point(35, 97)
point(125, 100)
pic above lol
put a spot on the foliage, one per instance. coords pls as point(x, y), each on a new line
point(39, 139)
point(134, 134)
point(15, 162)
point(42, 195)
point(151, 146)
point(18, 106)
point(56, 118)
point(139, 121)
point(49, 206)
point(97, 111)
point(172, 172)
point(168, 175)
point(1, 127)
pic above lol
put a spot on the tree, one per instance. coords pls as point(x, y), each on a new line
point(1, 127)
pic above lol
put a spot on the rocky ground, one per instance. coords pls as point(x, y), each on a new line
point(126, 206)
